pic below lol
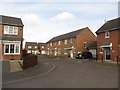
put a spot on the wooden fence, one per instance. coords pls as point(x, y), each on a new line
point(29, 61)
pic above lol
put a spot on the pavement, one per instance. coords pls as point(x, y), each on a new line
point(41, 69)
point(69, 73)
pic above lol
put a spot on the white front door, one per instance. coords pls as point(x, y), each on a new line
point(71, 53)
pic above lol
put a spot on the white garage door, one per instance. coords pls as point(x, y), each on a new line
point(93, 51)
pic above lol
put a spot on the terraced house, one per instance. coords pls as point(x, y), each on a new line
point(11, 38)
point(108, 40)
point(42, 48)
point(31, 47)
point(70, 43)
point(35, 48)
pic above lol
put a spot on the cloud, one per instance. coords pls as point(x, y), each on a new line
point(31, 20)
point(58, 1)
point(40, 18)
point(61, 17)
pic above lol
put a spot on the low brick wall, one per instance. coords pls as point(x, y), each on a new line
point(29, 61)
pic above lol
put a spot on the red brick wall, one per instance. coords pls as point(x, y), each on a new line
point(62, 46)
point(20, 34)
point(78, 42)
point(85, 36)
point(1, 30)
point(32, 47)
point(114, 39)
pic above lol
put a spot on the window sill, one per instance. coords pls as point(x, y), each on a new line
point(12, 54)
point(107, 37)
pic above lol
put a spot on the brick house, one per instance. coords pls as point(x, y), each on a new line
point(35, 48)
point(108, 40)
point(92, 47)
point(70, 43)
point(42, 48)
point(31, 47)
point(11, 38)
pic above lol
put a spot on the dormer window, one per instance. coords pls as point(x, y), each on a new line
point(12, 30)
point(107, 34)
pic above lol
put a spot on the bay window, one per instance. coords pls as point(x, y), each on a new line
point(12, 48)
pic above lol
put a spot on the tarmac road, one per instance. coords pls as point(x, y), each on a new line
point(70, 73)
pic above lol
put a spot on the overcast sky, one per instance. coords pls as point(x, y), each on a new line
point(45, 19)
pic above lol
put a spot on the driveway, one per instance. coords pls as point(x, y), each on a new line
point(72, 73)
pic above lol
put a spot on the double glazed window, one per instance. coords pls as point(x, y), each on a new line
point(107, 34)
point(65, 41)
point(58, 42)
point(12, 49)
point(10, 30)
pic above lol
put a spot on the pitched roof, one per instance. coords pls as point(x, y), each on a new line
point(110, 25)
point(41, 44)
point(7, 20)
point(92, 45)
point(67, 36)
point(11, 38)
point(31, 43)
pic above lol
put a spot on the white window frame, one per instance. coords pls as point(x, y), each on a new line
point(29, 51)
point(51, 44)
point(14, 30)
point(42, 47)
point(85, 44)
point(101, 50)
point(107, 34)
point(15, 44)
point(35, 46)
point(65, 41)
point(65, 51)
point(59, 50)
point(29, 47)
point(59, 42)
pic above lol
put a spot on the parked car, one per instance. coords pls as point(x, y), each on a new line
point(84, 55)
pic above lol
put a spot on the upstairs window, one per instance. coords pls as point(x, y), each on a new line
point(12, 30)
point(50, 44)
point(107, 34)
point(65, 41)
point(35, 46)
point(58, 42)
point(29, 47)
point(42, 46)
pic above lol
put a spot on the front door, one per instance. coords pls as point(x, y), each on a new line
point(107, 53)
point(71, 53)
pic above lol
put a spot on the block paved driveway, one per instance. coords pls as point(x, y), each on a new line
point(71, 73)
